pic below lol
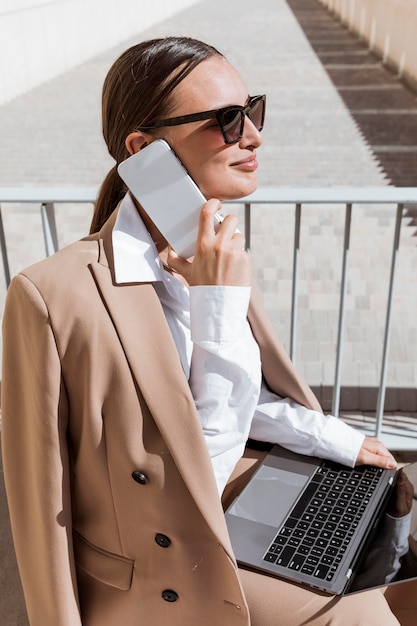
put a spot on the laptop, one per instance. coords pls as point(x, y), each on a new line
point(314, 522)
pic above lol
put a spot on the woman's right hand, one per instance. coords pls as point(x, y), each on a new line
point(220, 257)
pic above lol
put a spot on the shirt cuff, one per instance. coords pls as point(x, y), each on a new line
point(218, 312)
point(349, 441)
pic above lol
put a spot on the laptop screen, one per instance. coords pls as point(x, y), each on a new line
point(392, 555)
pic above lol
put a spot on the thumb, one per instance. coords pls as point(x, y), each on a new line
point(179, 264)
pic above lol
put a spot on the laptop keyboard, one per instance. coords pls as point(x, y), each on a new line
point(323, 522)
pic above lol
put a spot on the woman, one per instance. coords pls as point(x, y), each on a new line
point(132, 380)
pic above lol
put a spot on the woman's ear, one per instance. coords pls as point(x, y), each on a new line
point(136, 141)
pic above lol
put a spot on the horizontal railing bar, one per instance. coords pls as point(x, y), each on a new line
point(263, 195)
point(333, 195)
point(45, 195)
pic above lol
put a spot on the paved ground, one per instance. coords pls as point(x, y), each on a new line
point(51, 136)
point(381, 105)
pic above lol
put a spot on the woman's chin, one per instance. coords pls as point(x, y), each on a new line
point(236, 191)
point(246, 189)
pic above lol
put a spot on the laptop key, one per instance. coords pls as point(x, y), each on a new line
point(280, 539)
point(306, 497)
point(308, 541)
point(315, 551)
point(312, 560)
point(297, 562)
point(285, 556)
point(321, 571)
point(327, 560)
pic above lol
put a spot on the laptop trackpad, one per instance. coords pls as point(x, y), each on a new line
point(269, 496)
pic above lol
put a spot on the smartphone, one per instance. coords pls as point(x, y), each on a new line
point(167, 193)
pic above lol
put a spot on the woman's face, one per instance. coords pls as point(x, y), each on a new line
point(221, 171)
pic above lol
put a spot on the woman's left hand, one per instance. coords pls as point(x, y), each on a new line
point(373, 452)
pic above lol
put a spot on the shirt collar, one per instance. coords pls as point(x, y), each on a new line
point(136, 258)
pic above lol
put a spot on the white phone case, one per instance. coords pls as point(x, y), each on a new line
point(167, 193)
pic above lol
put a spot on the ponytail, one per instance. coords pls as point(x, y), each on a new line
point(111, 193)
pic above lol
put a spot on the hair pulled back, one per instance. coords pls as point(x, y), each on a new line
point(136, 90)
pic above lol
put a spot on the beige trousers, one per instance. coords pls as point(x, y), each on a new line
point(274, 602)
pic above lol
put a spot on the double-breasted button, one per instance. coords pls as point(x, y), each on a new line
point(140, 477)
point(162, 540)
point(169, 595)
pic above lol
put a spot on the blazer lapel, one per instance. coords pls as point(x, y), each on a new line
point(155, 364)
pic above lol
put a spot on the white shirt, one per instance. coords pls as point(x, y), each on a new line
point(221, 361)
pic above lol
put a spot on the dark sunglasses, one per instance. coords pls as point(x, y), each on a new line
point(231, 119)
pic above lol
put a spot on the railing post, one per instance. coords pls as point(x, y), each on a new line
point(294, 295)
point(6, 267)
point(247, 225)
point(49, 228)
point(343, 287)
point(387, 332)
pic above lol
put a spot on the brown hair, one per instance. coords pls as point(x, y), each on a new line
point(137, 89)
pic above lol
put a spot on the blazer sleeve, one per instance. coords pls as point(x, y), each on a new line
point(35, 458)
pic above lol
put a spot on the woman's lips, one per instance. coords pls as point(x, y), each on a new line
point(249, 164)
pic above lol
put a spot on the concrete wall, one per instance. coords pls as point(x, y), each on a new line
point(40, 39)
point(390, 27)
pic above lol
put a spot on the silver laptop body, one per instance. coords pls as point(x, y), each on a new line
point(277, 524)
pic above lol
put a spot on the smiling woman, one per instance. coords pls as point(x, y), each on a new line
point(192, 80)
point(223, 165)
point(133, 379)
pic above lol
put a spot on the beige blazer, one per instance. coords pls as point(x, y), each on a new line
point(114, 507)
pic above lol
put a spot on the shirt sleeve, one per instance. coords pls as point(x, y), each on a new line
point(283, 421)
point(225, 373)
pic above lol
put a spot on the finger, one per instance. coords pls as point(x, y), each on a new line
point(373, 452)
point(206, 225)
point(380, 460)
point(227, 229)
point(377, 447)
point(178, 263)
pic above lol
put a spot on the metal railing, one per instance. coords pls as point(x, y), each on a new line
point(47, 198)
point(399, 197)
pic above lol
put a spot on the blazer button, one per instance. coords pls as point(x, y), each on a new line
point(169, 595)
point(140, 477)
point(162, 540)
